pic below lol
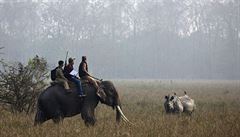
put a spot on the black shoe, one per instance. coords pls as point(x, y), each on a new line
point(69, 90)
point(82, 95)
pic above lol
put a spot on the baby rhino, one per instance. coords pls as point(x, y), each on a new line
point(175, 104)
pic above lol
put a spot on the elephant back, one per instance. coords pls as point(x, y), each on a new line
point(88, 89)
point(84, 83)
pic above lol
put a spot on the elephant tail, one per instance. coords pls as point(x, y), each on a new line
point(40, 116)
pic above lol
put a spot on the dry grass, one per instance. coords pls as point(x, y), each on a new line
point(217, 114)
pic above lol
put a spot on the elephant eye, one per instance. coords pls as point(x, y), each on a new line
point(102, 86)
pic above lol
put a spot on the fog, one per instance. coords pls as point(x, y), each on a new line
point(127, 39)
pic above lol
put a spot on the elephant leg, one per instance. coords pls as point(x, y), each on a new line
point(57, 120)
point(88, 116)
point(58, 117)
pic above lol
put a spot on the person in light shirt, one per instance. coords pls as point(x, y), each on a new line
point(67, 70)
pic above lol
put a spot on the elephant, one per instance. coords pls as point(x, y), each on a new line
point(56, 103)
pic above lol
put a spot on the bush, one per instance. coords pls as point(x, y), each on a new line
point(20, 85)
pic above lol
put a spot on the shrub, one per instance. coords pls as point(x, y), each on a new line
point(20, 85)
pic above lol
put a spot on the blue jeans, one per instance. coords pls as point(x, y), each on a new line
point(79, 85)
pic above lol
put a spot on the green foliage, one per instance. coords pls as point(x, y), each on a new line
point(20, 85)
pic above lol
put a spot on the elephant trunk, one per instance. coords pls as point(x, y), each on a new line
point(115, 105)
point(118, 115)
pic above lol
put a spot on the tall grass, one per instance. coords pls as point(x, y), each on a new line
point(217, 114)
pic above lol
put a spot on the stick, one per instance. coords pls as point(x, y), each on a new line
point(66, 59)
point(96, 78)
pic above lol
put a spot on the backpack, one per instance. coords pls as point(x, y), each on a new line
point(53, 74)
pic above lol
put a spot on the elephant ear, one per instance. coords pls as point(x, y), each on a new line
point(101, 93)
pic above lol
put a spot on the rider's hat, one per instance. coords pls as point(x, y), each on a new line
point(84, 57)
point(71, 60)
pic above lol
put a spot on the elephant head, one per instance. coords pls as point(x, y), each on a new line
point(110, 97)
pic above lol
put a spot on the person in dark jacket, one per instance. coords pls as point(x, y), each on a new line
point(67, 70)
point(83, 73)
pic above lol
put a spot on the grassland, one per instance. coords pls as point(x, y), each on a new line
point(217, 114)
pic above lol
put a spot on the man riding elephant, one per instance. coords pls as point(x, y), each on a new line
point(83, 74)
point(53, 103)
point(67, 71)
point(60, 78)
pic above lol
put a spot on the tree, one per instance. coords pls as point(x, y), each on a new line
point(20, 85)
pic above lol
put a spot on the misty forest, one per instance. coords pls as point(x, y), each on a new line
point(127, 39)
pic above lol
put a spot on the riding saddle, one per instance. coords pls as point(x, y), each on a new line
point(72, 85)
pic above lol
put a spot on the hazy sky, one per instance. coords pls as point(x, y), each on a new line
point(154, 39)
